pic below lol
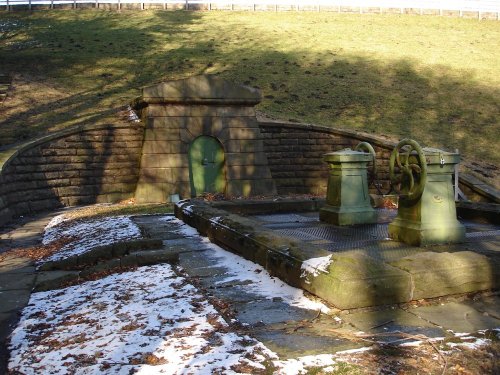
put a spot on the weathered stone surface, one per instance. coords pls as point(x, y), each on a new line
point(14, 300)
point(356, 280)
point(10, 281)
point(200, 89)
point(54, 279)
point(457, 317)
point(62, 168)
point(144, 258)
point(439, 274)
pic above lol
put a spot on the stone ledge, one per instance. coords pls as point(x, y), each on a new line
point(349, 279)
point(55, 279)
point(100, 253)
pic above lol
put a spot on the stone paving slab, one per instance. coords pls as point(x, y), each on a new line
point(14, 299)
point(390, 320)
point(291, 343)
point(12, 281)
point(264, 312)
point(17, 265)
point(458, 317)
point(487, 305)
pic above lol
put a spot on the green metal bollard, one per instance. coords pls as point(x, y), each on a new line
point(347, 198)
point(426, 212)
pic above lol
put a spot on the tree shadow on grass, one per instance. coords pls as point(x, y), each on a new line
point(106, 61)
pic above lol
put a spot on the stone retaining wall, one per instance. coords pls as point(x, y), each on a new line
point(94, 164)
point(295, 154)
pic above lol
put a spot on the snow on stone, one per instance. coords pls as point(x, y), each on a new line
point(146, 321)
point(299, 365)
point(88, 234)
point(314, 266)
point(475, 343)
point(257, 280)
point(256, 277)
point(183, 228)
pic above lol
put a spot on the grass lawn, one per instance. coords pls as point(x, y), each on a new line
point(434, 79)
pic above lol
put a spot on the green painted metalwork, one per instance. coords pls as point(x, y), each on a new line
point(426, 212)
point(206, 166)
point(347, 198)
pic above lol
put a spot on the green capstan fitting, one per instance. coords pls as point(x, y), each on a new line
point(426, 211)
point(347, 198)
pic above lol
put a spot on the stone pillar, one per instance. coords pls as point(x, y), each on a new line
point(347, 198)
point(432, 219)
point(176, 113)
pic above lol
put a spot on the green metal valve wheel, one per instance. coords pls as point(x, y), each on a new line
point(411, 175)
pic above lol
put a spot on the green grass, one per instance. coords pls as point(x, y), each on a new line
point(434, 79)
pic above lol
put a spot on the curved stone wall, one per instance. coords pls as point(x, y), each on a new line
point(295, 155)
point(93, 164)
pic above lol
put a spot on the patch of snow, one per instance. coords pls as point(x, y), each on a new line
point(183, 228)
point(314, 266)
point(460, 334)
point(354, 351)
point(257, 280)
point(412, 343)
point(55, 221)
point(88, 234)
point(299, 365)
point(475, 344)
point(147, 321)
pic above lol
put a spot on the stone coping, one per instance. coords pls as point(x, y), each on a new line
point(7, 155)
point(373, 139)
point(483, 188)
point(348, 279)
point(481, 212)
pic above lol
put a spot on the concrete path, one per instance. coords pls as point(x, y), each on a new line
point(289, 331)
point(17, 274)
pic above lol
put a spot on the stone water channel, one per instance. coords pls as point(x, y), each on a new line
point(288, 330)
point(292, 331)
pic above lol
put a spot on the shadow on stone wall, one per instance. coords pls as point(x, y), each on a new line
point(91, 165)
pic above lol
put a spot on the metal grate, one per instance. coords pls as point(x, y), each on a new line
point(299, 234)
point(286, 218)
point(355, 233)
point(483, 234)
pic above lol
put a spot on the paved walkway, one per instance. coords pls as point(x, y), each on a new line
point(289, 331)
point(17, 274)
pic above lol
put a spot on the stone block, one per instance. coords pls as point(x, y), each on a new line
point(244, 133)
point(234, 146)
point(248, 188)
point(162, 134)
point(154, 192)
point(45, 204)
point(54, 279)
point(62, 264)
point(101, 267)
point(156, 175)
point(14, 300)
point(149, 257)
point(440, 274)
point(94, 255)
point(244, 173)
point(245, 159)
point(200, 89)
point(353, 280)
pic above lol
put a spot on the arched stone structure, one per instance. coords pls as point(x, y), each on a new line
point(175, 113)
